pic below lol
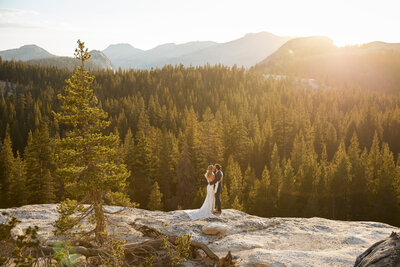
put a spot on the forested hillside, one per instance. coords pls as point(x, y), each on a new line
point(374, 65)
point(285, 151)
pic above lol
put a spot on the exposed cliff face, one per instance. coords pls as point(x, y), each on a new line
point(254, 240)
point(101, 59)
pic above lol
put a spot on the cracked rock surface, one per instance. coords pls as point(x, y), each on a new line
point(254, 240)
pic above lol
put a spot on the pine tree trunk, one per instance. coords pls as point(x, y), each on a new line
point(100, 230)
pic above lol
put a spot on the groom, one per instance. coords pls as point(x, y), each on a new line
point(218, 178)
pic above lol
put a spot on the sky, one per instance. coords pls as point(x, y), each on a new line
point(56, 25)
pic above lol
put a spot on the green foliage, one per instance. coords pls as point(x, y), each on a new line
point(237, 205)
point(155, 198)
point(28, 243)
point(185, 178)
point(87, 159)
point(178, 252)
point(219, 112)
point(148, 261)
point(385, 188)
point(360, 184)
point(261, 197)
point(234, 180)
point(17, 189)
point(7, 226)
point(276, 178)
point(63, 254)
point(340, 179)
point(7, 168)
point(23, 247)
point(224, 198)
point(286, 190)
point(145, 161)
point(40, 183)
point(5, 236)
point(115, 253)
point(66, 221)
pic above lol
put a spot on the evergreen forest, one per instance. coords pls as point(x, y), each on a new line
point(285, 148)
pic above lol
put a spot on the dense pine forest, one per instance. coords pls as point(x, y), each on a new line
point(285, 149)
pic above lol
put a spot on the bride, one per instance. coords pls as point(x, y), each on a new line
point(207, 208)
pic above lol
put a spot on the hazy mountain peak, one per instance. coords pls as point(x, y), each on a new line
point(122, 46)
point(25, 52)
point(31, 46)
point(119, 53)
point(115, 50)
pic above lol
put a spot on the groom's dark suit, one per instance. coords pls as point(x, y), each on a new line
point(218, 177)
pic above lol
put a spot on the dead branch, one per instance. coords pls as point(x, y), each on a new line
point(152, 232)
point(139, 251)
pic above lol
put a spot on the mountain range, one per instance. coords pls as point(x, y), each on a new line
point(372, 65)
point(245, 51)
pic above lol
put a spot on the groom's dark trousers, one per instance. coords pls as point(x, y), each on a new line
point(217, 178)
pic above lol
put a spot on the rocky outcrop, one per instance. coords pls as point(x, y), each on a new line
point(383, 253)
point(101, 59)
point(252, 240)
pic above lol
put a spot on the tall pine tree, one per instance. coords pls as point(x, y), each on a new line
point(38, 157)
point(155, 198)
point(6, 169)
point(16, 195)
point(185, 179)
point(88, 159)
point(340, 178)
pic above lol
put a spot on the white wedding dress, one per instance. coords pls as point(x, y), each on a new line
point(207, 207)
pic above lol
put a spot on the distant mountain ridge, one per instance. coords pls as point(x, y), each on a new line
point(245, 51)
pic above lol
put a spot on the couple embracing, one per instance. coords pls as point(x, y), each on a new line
point(212, 203)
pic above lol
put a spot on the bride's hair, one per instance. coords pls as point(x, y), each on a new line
point(209, 172)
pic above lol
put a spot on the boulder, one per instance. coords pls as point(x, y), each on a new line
point(381, 254)
point(214, 228)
